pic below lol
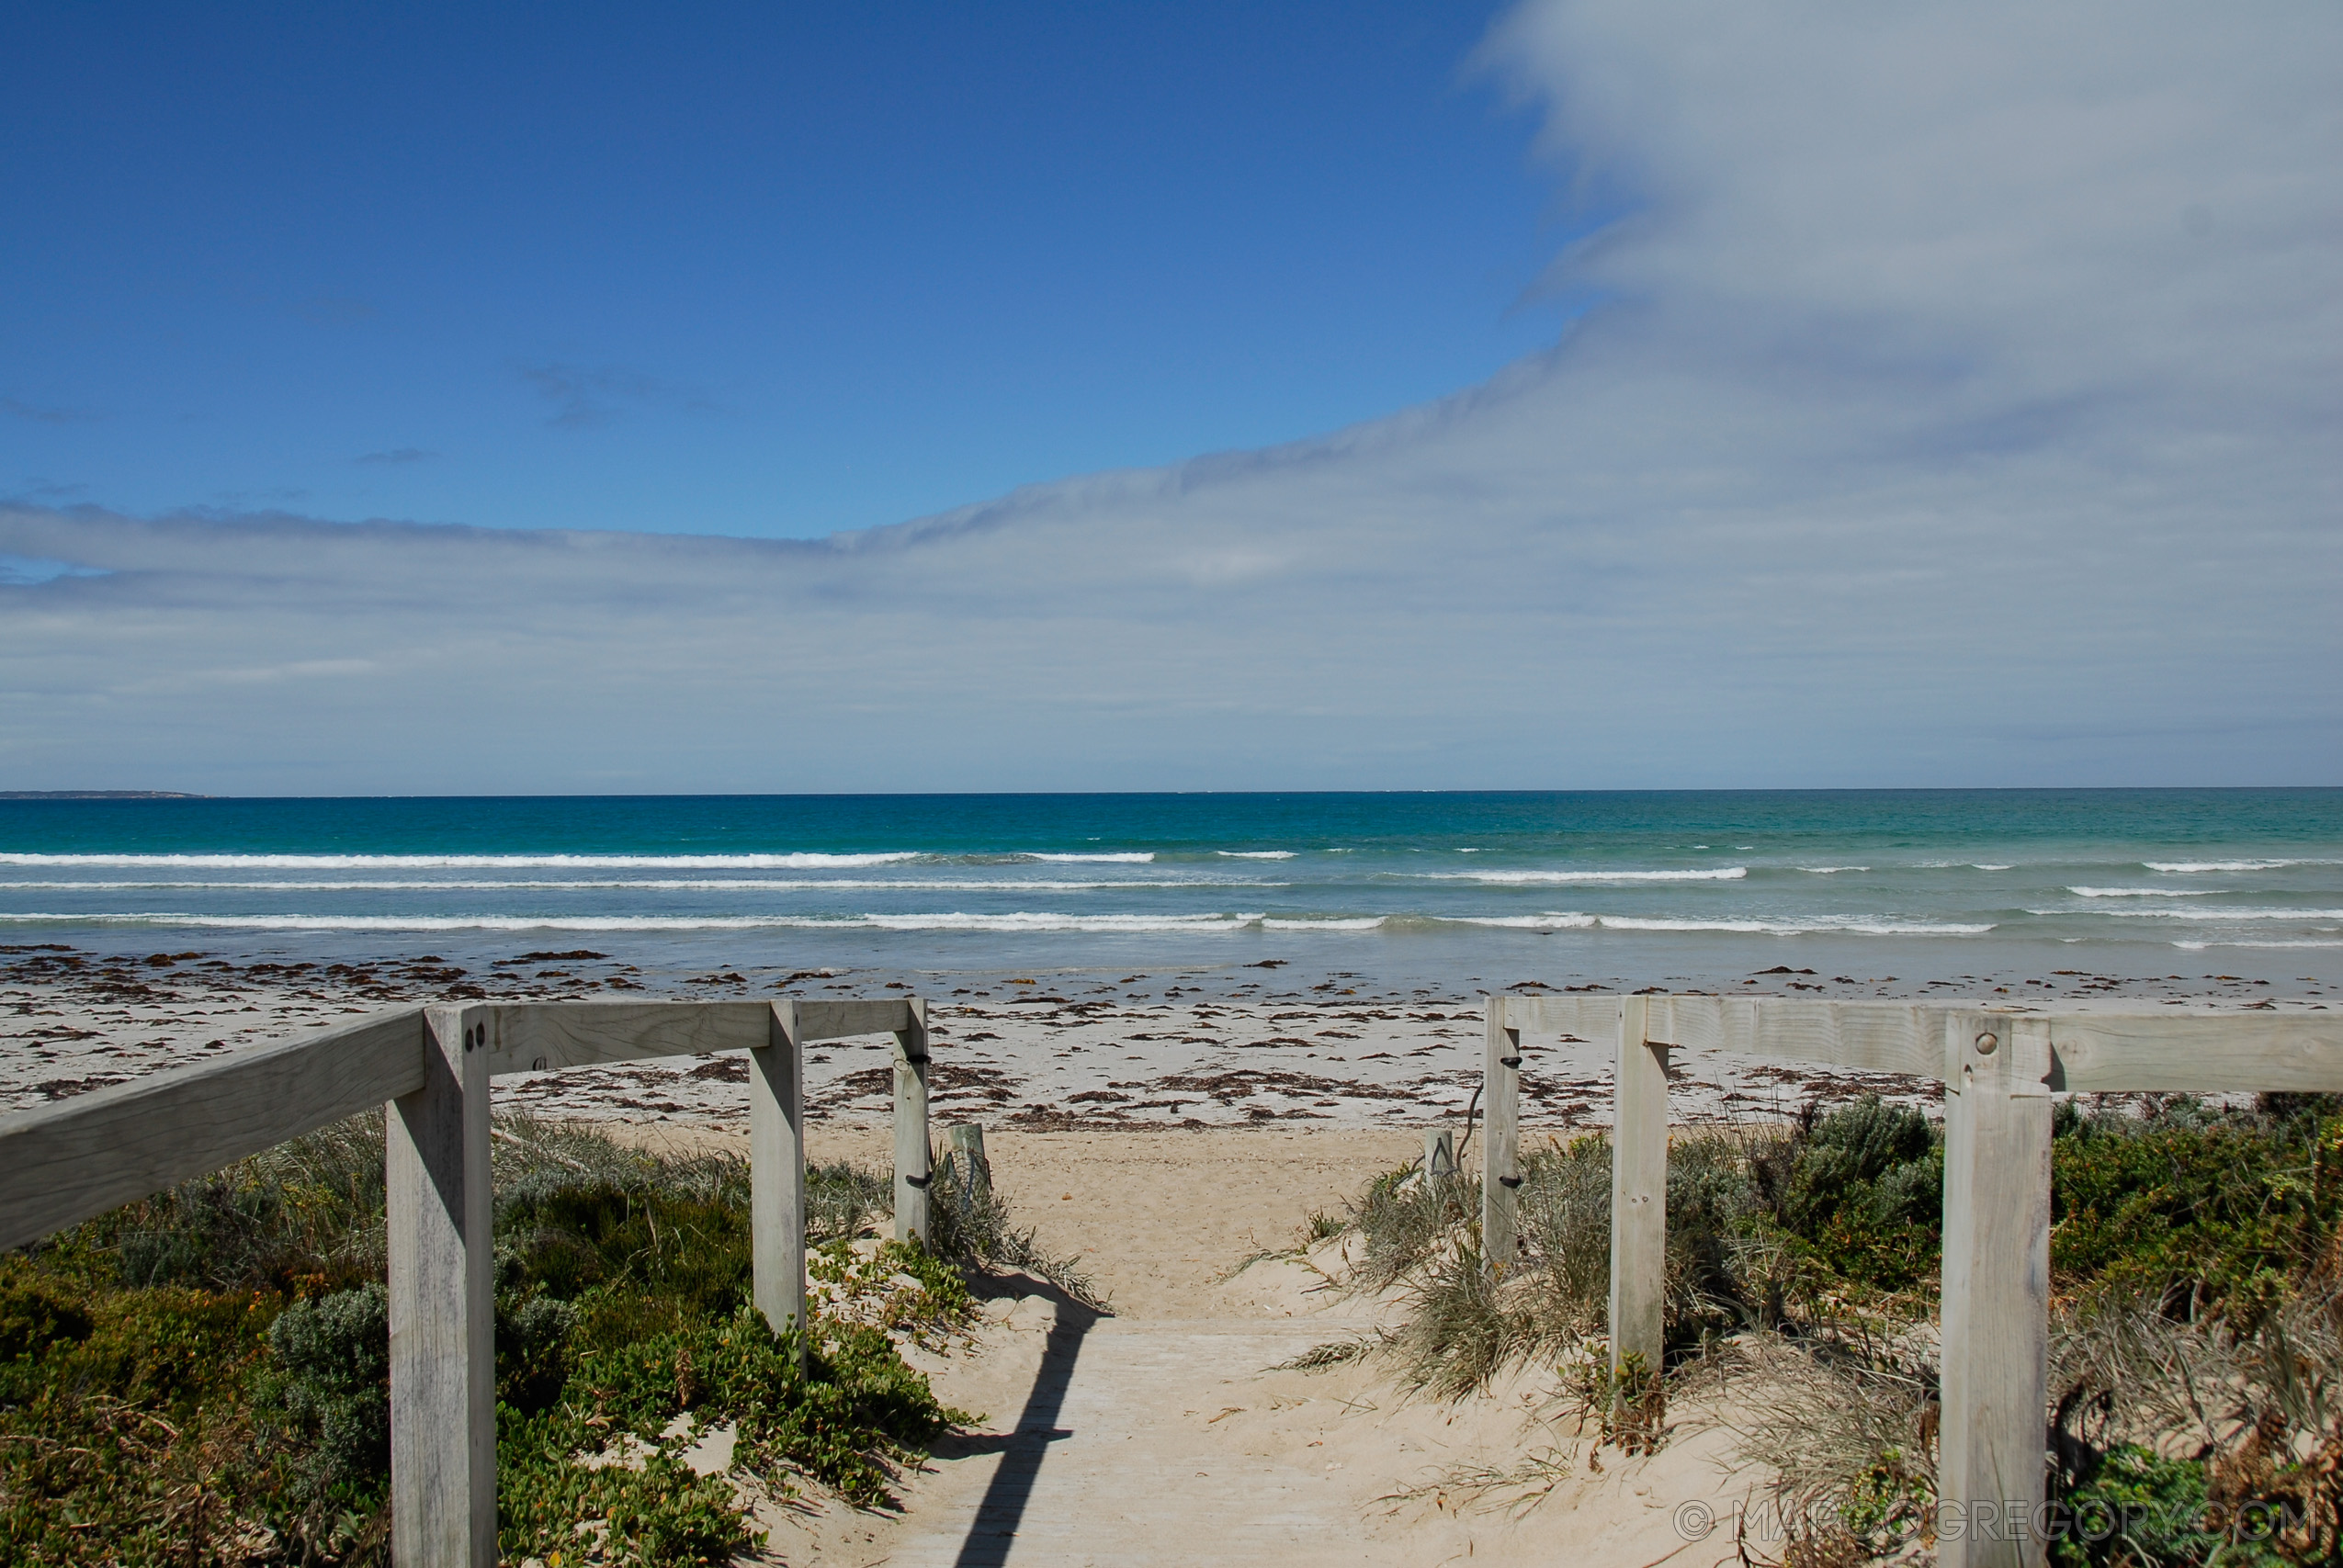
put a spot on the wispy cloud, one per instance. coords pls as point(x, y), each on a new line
point(38, 489)
point(24, 571)
point(1961, 412)
point(585, 396)
point(45, 413)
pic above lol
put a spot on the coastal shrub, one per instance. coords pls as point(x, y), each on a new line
point(533, 1335)
point(2201, 1210)
point(209, 1367)
point(1862, 1188)
point(840, 1416)
point(2137, 1506)
point(327, 1381)
point(32, 1319)
point(656, 1510)
point(123, 1420)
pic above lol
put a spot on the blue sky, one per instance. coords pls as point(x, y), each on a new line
point(755, 269)
point(1600, 393)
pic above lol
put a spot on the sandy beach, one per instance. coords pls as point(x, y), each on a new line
point(1232, 1047)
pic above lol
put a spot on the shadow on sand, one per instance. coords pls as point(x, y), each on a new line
point(1023, 1450)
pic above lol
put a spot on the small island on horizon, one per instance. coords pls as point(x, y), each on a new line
point(99, 794)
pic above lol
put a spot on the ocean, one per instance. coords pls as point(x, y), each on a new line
point(1686, 890)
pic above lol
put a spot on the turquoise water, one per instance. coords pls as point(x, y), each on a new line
point(1650, 887)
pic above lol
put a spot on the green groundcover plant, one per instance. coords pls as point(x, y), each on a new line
point(202, 1378)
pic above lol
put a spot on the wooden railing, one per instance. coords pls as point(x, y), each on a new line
point(2000, 1068)
point(430, 1068)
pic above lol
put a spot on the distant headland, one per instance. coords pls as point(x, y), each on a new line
point(98, 794)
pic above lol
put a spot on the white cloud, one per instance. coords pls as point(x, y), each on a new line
point(1962, 412)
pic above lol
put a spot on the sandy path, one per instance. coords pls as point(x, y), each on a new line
point(1105, 1464)
point(1160, 1435)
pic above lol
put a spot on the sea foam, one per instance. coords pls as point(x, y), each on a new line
point(1545, 878)
point(799, 861)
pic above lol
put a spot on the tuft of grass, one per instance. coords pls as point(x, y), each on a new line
point(2252, 1411)
point(1334, 1353)
point(970, 1224)
point(1849, 1435)
point(1467, 1318)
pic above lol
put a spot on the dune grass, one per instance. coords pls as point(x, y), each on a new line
point(2197, 1324)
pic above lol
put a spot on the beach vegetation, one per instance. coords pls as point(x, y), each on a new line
point(203, 1377)
point(2197, 1363)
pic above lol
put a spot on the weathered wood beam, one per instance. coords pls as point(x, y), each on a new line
point(913, 1154)
point(2196, 1052)
point(525, 1037)
point(840, 1020)
point(1639, 1193)
point(1886, 1037)
point(2202, 1053)
point(443, 1309)
point(1995, 1365)
point(1500, 1161)
point(61, 1164)
point(778, 1170)
point(1588, 1018)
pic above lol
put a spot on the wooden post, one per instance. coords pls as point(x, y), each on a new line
point(777, 1172)
point(912, 1151)
point(1438, 1152)
point(1500, 1102)
point(1996, 1292)
point(1638, 1193)
point(976, 1170)
point(442, 1300)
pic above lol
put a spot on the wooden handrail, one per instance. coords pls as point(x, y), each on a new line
point(431, 1068)
point(62, 1164)
point(1999, 1066)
